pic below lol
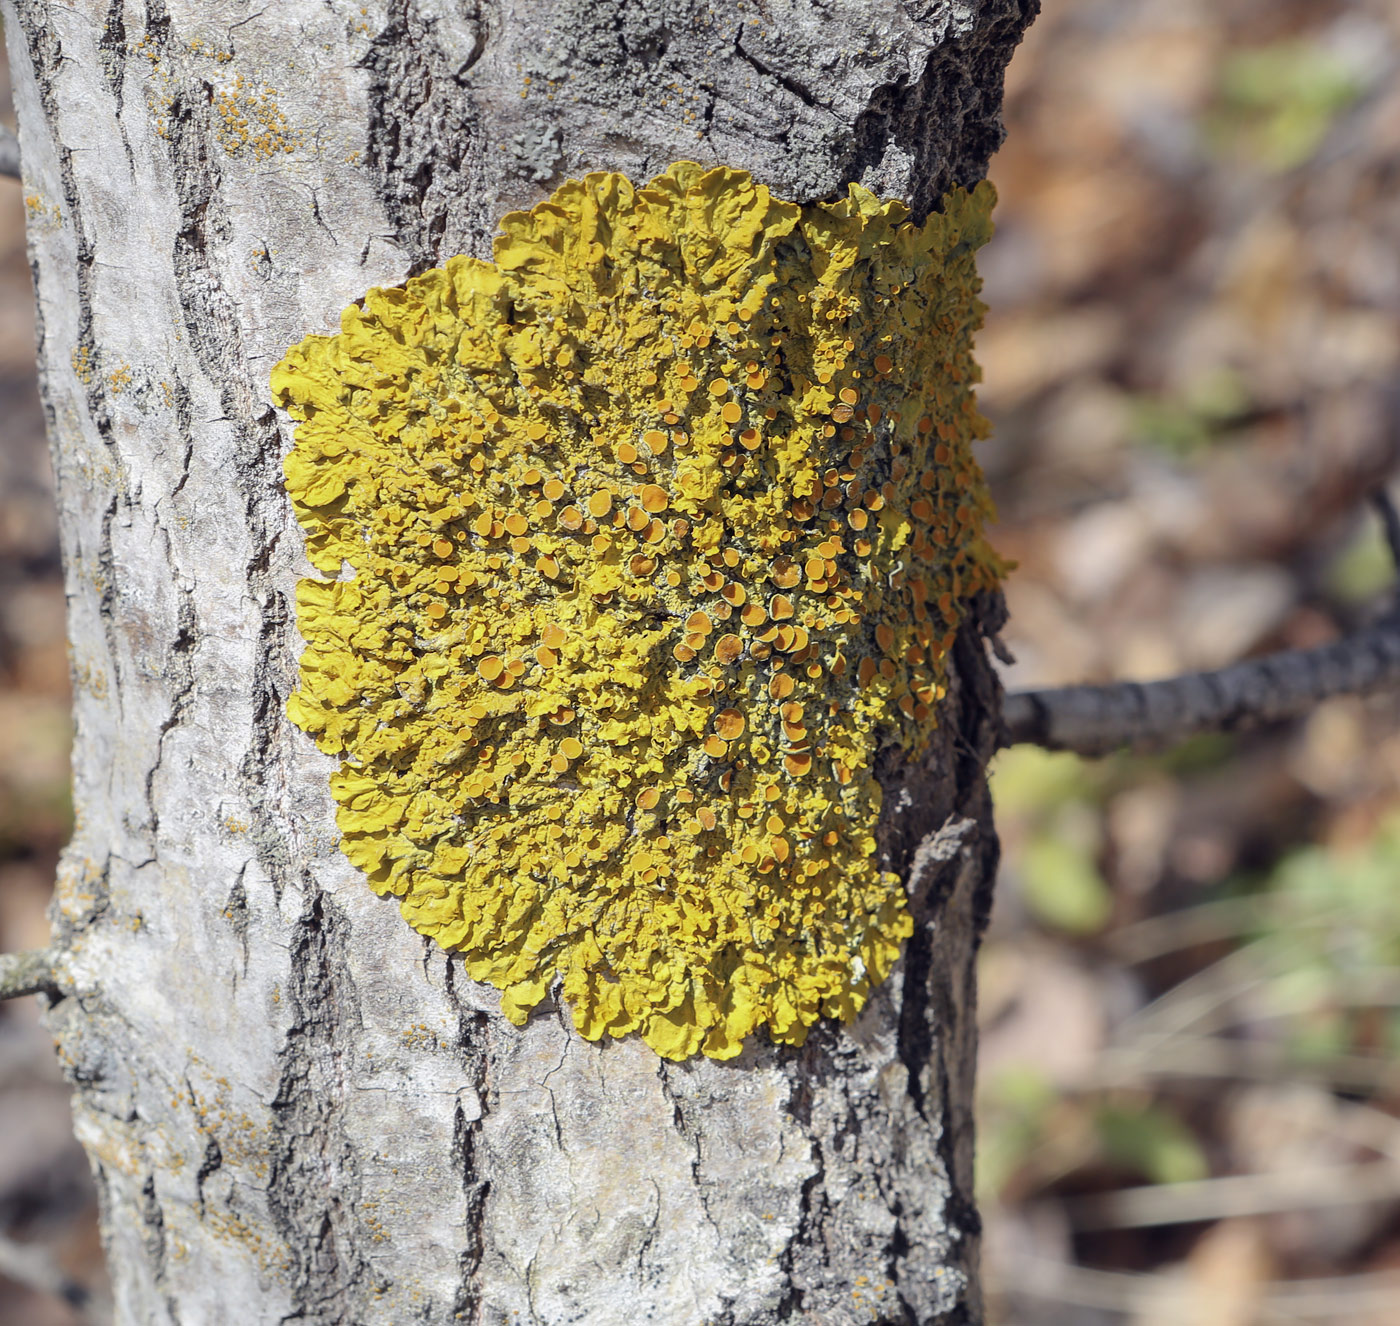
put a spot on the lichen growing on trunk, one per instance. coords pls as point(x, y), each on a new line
point(659, 525)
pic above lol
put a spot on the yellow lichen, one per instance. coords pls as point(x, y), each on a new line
point(81, 359)
point(248, 119)
point(648, 535)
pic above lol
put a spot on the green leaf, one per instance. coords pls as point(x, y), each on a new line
point(1276, 103)
point(1063, 887)
point(1364, 568)
point(1026, 779)
point(1151, 1142)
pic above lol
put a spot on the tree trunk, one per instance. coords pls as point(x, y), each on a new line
point(296, 1107)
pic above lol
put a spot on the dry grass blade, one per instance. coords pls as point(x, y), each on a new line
point(1235, 1195)
point(1331, 1299)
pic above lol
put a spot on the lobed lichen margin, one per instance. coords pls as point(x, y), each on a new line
point(641, 541)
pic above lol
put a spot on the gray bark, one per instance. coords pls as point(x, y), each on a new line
point(296, 1108)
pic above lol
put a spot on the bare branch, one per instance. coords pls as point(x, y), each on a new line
point(9, 153)
point(1093, 720)
point(35, 971)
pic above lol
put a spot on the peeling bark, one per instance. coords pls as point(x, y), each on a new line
point(296, 1109)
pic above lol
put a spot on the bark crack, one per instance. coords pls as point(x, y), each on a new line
point(474, 1044)
point(313, 1186)
point(798, 89)
point(179, 669)
point(691, 1136)
point(424, 132)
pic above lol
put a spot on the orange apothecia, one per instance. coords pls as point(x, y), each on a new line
point(660, 526)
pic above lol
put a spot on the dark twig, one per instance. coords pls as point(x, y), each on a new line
point(35, 971)
point(9, 153)
point(1093, 720)
point(1390, 523)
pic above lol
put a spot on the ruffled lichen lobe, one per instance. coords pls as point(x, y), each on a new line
point(641, 541)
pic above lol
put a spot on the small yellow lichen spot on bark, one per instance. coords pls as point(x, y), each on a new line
point(640, 761)
point(247, 119)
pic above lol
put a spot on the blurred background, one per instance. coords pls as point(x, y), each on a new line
point(1190, 996)
point(1190, 1085)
